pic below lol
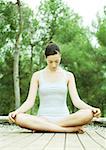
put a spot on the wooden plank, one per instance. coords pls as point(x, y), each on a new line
point(29, 140)
point(10, 139)
point(102, 134)
point(16, 138)
point(8, 128)
point(88, 143)
point(7, 138)
point(101, 131)
point(57, 142)
point(40, 143)
point(97, 138)
point(25, 142)
point(4, 119)
point(2, 137)
point(100, 119)
point(72, 142)
point(19, 141)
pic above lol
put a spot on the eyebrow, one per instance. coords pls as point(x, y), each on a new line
point(52, 60)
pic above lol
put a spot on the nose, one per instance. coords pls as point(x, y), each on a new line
point(54, 65)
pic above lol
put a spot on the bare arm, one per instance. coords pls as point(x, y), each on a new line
point(30, 99)
point(76, 99)
point(31, 95)
point(74, 94)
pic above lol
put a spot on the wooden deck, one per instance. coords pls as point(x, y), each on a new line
point(16, 138)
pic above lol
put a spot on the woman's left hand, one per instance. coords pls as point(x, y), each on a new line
point(96, 112)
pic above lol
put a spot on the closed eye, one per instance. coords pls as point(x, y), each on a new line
point(50, 62)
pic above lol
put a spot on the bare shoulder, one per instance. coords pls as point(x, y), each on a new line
point(36, 74)
point(69, 75)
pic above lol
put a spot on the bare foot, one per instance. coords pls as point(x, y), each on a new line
point(81, 130)
point(76, 129)
point(33, 131)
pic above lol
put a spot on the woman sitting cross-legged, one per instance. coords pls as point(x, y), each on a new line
point(52, 84)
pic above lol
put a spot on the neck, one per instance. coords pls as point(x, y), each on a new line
point(53, 71)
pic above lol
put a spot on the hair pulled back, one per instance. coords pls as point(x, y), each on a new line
point(51, 49)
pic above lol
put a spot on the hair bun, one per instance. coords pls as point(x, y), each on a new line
point(51, 49)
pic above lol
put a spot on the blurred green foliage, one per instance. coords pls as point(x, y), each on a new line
point(54, 21)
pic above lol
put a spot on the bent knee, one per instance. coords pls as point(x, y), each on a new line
point(87, 115)
point(19, 118)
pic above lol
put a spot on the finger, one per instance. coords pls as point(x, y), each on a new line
point(13, 115)
point(97, 114)
point(10, 117)
point(10, 120)
point(94, 111)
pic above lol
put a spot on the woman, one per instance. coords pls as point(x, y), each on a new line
point(53, 115)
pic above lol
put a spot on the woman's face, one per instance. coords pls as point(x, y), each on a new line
point(53, 61)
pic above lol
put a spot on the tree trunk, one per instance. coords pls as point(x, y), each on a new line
point(16, 59)
point(31, 60)
point(31, 72)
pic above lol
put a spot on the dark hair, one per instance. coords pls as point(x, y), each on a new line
point(51, 49)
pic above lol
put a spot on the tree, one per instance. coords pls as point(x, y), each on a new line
point(6, 84)
point(16, 57)
point(9, 28)
point(48, 16)
point(100, 54)
point(53, 22)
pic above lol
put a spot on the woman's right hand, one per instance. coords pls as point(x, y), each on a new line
point(12, 116)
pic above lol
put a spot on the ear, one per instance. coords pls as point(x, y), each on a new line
point(60, 56)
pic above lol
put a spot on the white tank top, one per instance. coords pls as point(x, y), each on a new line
point(52, 97)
